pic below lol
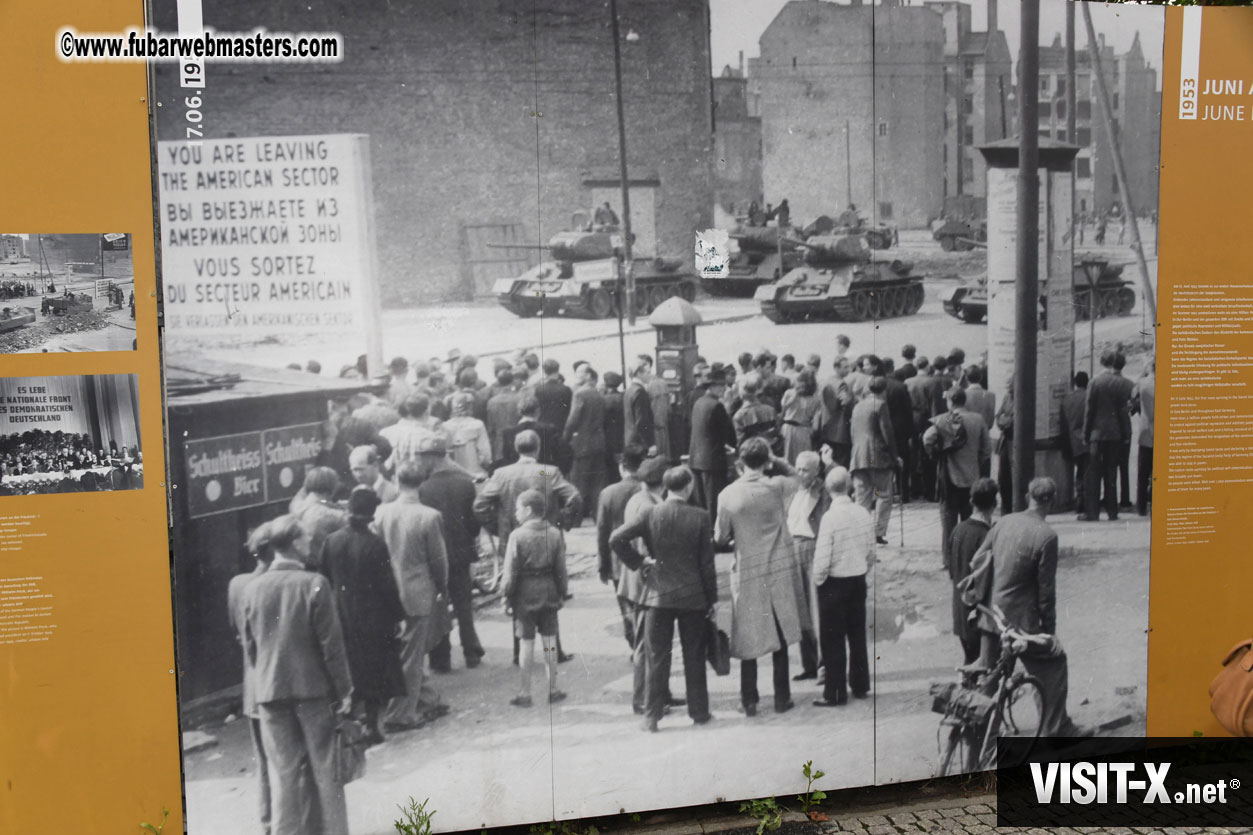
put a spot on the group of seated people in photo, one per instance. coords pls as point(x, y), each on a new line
point(39, 461)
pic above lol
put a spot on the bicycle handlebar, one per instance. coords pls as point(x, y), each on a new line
point(1006, 630)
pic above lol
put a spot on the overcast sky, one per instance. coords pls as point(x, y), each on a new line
point(737, 24)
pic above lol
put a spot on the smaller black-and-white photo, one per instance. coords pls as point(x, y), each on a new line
point(70, 292)
point(72, 434)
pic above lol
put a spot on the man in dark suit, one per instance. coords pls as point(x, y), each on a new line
point(1103, 430)
point(960, 443)
point(295, 645)
point(495, 505)
point(680, 585)
point(585, 436)
point(874, 456)
point(712, 433)
point(554, 396)
point(901, 412)
point(610, 513)
point(837, 406)
point(260, 548)
point(552, 450)
point(1124, 452)
point(614, 424)
point(638, 406)
point(1073, 445)
point(449, 489)
point(1020, 555)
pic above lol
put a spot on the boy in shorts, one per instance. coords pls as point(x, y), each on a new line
point(535, 584)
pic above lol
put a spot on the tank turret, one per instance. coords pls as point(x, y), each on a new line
point(764, 254)
point(580, 278)
point(842, 278)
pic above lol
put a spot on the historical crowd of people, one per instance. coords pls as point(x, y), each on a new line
point(792, 469)
point(64, 462)
point(13, 289)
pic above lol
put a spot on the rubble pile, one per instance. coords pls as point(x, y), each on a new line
point(32, 336)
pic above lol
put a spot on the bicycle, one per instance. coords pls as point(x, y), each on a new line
point(989, 703)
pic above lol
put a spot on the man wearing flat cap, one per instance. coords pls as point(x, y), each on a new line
point(449, 489)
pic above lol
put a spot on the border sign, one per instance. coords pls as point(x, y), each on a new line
point(268, 236)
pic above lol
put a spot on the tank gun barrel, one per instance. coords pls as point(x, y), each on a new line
point(537, 247)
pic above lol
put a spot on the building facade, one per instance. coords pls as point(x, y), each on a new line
point(1136, 104)
point(978, 90)
point(737, 147)
point(12, 248)
point(852, 105)
point(488, 122)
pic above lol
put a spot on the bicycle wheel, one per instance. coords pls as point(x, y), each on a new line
point(1019, 713)
point(956, 751)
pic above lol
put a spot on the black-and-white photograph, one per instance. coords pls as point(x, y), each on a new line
point(72, 434)
point(639, 397)
point(69, 292)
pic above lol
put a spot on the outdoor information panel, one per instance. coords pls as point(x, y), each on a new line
point(323, 224)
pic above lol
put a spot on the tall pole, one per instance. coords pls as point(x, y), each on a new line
point(848, 160)
point(1071, 137)
point(1027, 289)
point(628, 272)
point(1107, 117)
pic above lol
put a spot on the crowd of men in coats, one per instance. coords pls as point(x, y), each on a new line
point(795, 477)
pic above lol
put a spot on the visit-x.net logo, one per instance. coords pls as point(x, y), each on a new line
point(1123, 782)
point(1126, 782)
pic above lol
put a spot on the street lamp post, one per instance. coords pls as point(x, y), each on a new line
point(628, 272)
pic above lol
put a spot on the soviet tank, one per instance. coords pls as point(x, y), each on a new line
point(1115, 296)
point(580, 277)
point(851, 222)
point(959, 234)
point(967, 301)
point(761, 258)
point(842, 278)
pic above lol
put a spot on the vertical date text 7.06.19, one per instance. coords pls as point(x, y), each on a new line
point(193, 78)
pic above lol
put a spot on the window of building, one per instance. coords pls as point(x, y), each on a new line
point(1117, 129)
point(1061, 85)
point(885, 210)
point(883, 127)
point(968, 135)
point(1044, 84)
point(1115, 99)
point(1046, 134)
point(793, 62)
point(968, 69)
point(1046, 109)
point(1083, 204)
point(1061, 135)
point(1085, 137)
point(1083, 168)
point(1113, 182)
point(1083, 110)
point(1061, 108)
point(968, 171)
